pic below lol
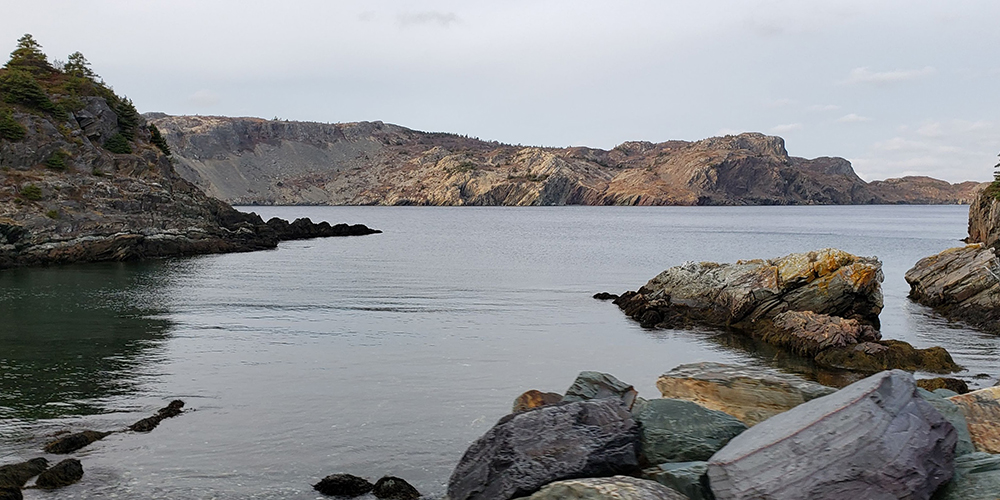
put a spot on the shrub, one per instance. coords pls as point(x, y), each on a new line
point(19, 87)
point(31, 192)
point(57, 160)
point(118, 144)
point(128, 117)
point(28, 56)
point(157, 139)
point(10, 129)
point(52, 214)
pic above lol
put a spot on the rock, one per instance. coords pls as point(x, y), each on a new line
point(525, 451)
point(961, 284)
point(977, 477)
point(688, 478)
point(606, 488)
point(394, 488)
point(73, 442)
point(953, 414)
point(597, 385)
point(149, 423)
point(874, 439)
point(952, 384)
point(171, 410)
point(535, 399)
point(807, 333)
point(15, 475)
point(343, 485)
point(982, 412)
point(605, 296)
point(748, 393)
point(871, 357)
point(674, 430)
point(61, 474)
point(8, 493)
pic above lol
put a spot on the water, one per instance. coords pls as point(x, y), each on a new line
point(387, 354)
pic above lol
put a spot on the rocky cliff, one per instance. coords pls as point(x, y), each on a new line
point(255, 161)
point(84, 178)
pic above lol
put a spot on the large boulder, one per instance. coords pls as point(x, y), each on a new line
point(750, 394)
point(953, 413)
point(874, 439)
point(597, 385)
point(343, 485)
point(61, 474)
point(808, 333)
point(977, 477)
point(15, 475)
point(960, 283)
point(525, 451)
point(394, 488)
point(606, 488)
point(982, 412)
point(689, 478)
point(675, 430)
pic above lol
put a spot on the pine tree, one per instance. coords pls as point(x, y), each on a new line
point(77, 65)
point(28, 56)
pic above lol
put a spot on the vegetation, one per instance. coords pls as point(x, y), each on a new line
point(52, 214)
point(994, 188)
point(10, 129)
point(31, 192)
point(118, 144)
point(157, 139)
point(57, 160)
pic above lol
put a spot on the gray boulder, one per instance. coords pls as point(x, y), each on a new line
point(674, 430)
point(689, 478)
point(874, 439)
point(953, 414)
point(977, 477)
point(606, 488)
point(525, 451)
point(597, 385)
point(97, 120)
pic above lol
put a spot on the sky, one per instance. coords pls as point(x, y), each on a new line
point(897, 87)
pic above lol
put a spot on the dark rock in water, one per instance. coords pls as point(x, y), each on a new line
point(689, 478)
point(961, 284)
point(597, 385)
point(149, 423)
point(605, 296)
point(952, 384)
point(7, 493)
point(977, 477)
point(304, 228)
point(73, 442)
point(394, 488)
point(343, 485)
point(874, 439)
point(61, 474)
point(145, 425)
point(953, 414)
point(15, 475)
point(171, 410)
point(807, 333)
point(525, 451)
point(873, 357)
point(605, 488)
point(674, 430)
point(535, 399)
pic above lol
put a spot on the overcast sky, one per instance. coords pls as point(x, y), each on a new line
point(899, 88)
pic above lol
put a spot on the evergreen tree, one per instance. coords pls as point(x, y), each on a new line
point(28, 56)
point(117, 144)
point(128, 117)
point(77, 65)
point(157, 139)
point(10, 129)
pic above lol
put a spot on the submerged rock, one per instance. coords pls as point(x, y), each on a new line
point(750, 394)
point(674, 430)
point(873, 439)
point(873, 357)
point(606, 488)
point(61, 474)
point(343, 485)
point(597, 385)
point(688, 478)
point(73, 442)
point(15, 475)
point(149, 423)
point(535, 399)
point(394, 488)
point(982, 412)
point(525, 451)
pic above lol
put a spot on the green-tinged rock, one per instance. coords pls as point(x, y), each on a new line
point(689, 478)
point(953, 414)
point(15, 475)
point(977, 477)
point(674, 430)
point(606, 488)
point(874, 357)
point(61, 474)
point(597, 385)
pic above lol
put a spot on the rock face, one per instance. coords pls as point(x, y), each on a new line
point(8, 493)
point(61, 474)
point(675, 430)
point(953, 414)
point(982, 412)
point(525, 451)
point(752, 395)
point(255, 161)
point(606, 488)
point(597, 385)
point(873, 439)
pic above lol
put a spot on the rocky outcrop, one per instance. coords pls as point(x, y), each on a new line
point(675, 430)
point(535, 399)
point(953, 413)
point(149, 423)
point(606, 488)
point(750, 394)
point(61, 474)
point(74, 442)
point(525, 451)
point(394, 488)
point(873, 439)
point(256, 161)
point(596, 385)
point(982, 413)
point(15, 475)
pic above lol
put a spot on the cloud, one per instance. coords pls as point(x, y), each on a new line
point(787, 127)
point(779, 103)
point(866, 76)
point(853, 118)
point(428, 17)
point(204, 98)
point(823, 107)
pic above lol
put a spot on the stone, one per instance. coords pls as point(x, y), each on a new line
point(675, 430)
point(534, 399)
point(605, 296)
point(61, 474)
point(9, 493)
point(15, 475)
point(961, 284)
point(343, 485)
point(952, 384)
point(872, 357)
point(977, 477)
point(750, 394)
point(874, 439)
point(688, 478)
point(525, 451)
point(807, 333)
point(606, 488)
point(394, 488)
point(597, 385)
point(149, 423)
point(982, 412)
point(953, 414)
point(73, 442)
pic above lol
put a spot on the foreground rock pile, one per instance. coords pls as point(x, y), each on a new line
point(775, 437)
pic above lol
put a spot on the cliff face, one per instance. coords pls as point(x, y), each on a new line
point(255, 161)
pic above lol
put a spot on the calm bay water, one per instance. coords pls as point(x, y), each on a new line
point(387, 354)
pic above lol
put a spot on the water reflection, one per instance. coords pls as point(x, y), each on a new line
point(73, 337)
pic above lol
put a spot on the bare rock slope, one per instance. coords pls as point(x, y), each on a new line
point(256, 161)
